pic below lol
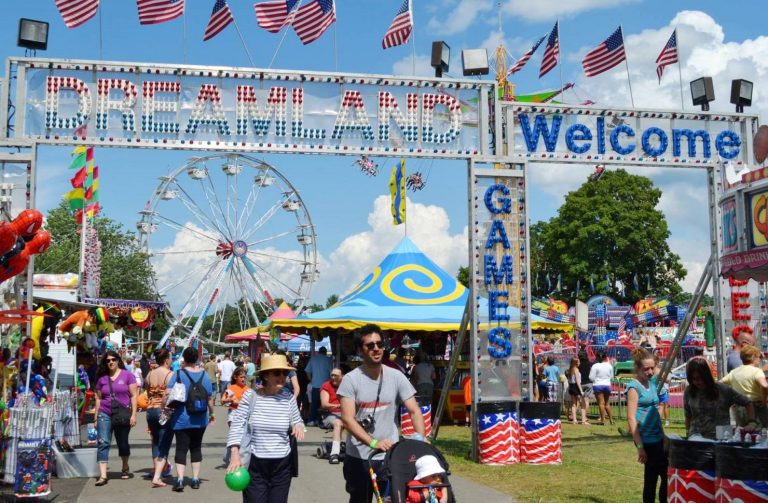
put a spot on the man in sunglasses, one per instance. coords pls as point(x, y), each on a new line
point(369, 397)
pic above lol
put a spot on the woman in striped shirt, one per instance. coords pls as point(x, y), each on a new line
point(274, 417)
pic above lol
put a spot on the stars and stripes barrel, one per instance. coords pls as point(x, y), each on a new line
point(691, 471)
point(741, 474)
point(406, 425)
point(540, 433)
point(497, 433)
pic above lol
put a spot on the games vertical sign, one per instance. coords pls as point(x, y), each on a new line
point(499, 288)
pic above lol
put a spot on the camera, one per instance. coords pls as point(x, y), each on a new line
point(368, 423)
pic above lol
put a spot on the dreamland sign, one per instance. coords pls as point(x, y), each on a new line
point(130, 104)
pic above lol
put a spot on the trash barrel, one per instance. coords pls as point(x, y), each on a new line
point(540, 433)
point(498, 433)
point(741, 473)
point(691, 471)
point(406, 426)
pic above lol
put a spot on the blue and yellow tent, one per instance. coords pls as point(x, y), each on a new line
point(406, 291)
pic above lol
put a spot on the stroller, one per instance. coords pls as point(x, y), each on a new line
point(399, 467)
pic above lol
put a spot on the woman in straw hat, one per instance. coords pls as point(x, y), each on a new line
point(273, 418)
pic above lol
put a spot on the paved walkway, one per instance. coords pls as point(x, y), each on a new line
point(318, 481)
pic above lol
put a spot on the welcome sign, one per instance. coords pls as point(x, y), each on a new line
point(588, 134)
point(230, 108)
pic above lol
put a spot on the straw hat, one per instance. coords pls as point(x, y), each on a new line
point(274, 362)
point(426, 466)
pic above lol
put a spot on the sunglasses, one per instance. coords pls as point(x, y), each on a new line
point(111, 360)
point(369, 346)
point(278, 372)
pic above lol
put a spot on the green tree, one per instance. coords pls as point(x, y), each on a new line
point(331, 300)
point(463, 275)
point(125, 270)
point(609, 227)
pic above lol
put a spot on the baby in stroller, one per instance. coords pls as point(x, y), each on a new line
point(427, 485)
point(417, 472)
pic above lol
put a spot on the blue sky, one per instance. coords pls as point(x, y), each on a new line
point(348, 208)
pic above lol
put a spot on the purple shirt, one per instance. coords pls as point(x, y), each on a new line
point(120, 387)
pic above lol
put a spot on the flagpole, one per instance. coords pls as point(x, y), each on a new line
point(626, 65)
point(101, 50)
point(245, 47)
point(560, 51)
point(184, 33)
point(413, 40)
point(83, 227)
point(295, 8)
point(679, 71)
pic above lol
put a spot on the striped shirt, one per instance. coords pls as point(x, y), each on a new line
point(272, 416)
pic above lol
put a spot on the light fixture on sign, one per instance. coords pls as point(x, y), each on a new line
point(33, 34)
point(441, 56)
point(741, 94)
point(474, 62)
point(702, 92)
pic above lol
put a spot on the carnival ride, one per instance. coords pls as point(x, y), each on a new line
point(228, 235)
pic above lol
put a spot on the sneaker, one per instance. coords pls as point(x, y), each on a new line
point(195, 484)
point(334, 459)
point(178, 487)
point(666, 423)
point(311, 423)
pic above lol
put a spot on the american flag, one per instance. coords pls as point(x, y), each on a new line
point(159, 11)
point(406, 425)
point(77, 12)
point(551, 52)
point(220, 19)
point(524, 58)
point(668, 55)
point(498, 438)
point(741, 490)
point(541, 441)
point(606, 55)
point(273, 16)
point(691, 485)
point(400, 30)
point(312, 19)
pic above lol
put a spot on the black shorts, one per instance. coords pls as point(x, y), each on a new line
point(573, 389)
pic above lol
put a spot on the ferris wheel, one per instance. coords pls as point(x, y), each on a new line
point(228, 236)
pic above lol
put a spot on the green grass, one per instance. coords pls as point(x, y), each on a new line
point(599, 466)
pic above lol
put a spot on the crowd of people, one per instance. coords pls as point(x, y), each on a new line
point(269, 408)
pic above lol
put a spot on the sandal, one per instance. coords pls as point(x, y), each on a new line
point(585, 422)
point(125, 474)
point(101, 481)
point(156, 485)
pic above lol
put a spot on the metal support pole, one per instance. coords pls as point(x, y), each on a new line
point(682, 329)
point(463, 328)
point(713, 179)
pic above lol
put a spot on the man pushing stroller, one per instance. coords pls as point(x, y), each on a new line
point(369, 398)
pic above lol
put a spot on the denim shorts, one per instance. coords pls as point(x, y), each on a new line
point(601, 389)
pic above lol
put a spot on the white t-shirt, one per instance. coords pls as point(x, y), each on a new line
point(227, 368)
point(601, 374)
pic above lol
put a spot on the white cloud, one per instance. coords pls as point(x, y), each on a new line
point(702, 51)
point(468, 13)
point(540, 11)
point(461, 17)
point(427, 225)
point(405, 66)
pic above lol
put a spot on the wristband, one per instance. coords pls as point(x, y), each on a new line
point(373, 443)
point(639, 446)
point(211, 416)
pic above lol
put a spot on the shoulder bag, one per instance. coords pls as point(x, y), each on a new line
point(179, 391)
point(119, 414)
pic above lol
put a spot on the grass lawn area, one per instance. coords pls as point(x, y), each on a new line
point(599, 466)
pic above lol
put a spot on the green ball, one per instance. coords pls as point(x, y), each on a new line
point(238, 480)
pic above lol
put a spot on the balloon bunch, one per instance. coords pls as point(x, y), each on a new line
point(19, 240)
